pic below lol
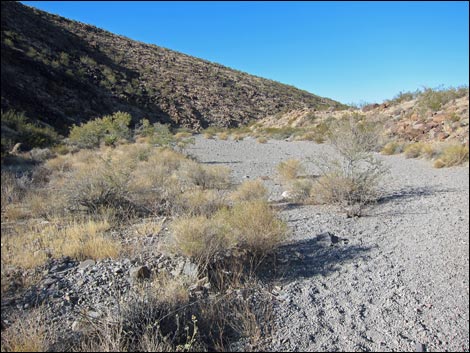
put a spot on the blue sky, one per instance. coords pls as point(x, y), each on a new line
point(348, 51)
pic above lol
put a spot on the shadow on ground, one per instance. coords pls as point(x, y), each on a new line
point(321, 255)
point(411, 193)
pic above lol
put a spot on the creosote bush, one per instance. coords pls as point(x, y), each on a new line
point(108, 129)
point(353, 179)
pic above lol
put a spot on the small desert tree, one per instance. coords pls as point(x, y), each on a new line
point(352, 179)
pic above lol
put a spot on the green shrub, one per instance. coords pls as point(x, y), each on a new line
point(108, 129)
point(435, 99)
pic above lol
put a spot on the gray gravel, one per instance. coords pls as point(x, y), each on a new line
point(396, 279)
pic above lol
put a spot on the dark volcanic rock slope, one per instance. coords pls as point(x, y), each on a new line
point(63, 72)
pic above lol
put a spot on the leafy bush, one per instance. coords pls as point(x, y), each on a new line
point(435, 99)
point(108, 129)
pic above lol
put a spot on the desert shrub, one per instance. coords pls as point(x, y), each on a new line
point(289, 169)
point(162, 135)
point(392, 147)
point(451, 156)
point(320, 132)
point(299, 190)
point(254, 226)
point(107, 186)
point(281, 132)
point(403, 97)
point(413, 150)
point(108, 129)
point(251, 226)
point(222, 135)
point(16, 127)
point(352, 180)
point(86, 60)
point(144, 322)
point(198, 202)
point(41, 154)
point(27, 333)
point(435, 99)
point(249, 190)
point(200, 238)
point(206, 177)
point(354, 136)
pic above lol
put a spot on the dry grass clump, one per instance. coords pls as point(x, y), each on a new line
point(198, 202)
point(148, 227)
point(300, 190)
point(249, 190)
point(250, 226)
point(206, 177)
point(413, 150)
point(392, 147)
point(290, 169)
point(200, 238)
point(222, 135)
point(421, 149)
point(31, 245)
point(451, 156)
point(134, 179)
point(27, 333)
point(254, 226)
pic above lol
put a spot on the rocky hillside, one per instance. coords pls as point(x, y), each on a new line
point(430, 115)
point(63, 72)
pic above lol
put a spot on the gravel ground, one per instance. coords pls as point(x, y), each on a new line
point(396, 279)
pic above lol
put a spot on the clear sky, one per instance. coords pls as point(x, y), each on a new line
point(349, 51)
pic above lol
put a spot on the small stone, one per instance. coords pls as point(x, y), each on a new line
point(420, 347)
point(190, 269)
point(139, 273)
point(85, 264)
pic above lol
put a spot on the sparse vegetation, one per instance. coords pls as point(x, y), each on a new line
point(16, 128)
point(108, 129)
point(250, 190)
point(451, 156)
point(289, 169)
point(352, 180)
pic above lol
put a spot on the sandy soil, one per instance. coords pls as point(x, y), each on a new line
point(396, 279)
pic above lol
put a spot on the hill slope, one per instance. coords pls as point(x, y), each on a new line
point(63, 72)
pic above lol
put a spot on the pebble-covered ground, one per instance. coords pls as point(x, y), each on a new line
point(396, 279)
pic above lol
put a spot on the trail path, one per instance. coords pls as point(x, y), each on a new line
point(393, 280)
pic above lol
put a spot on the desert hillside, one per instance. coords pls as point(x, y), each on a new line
point(63, 72)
